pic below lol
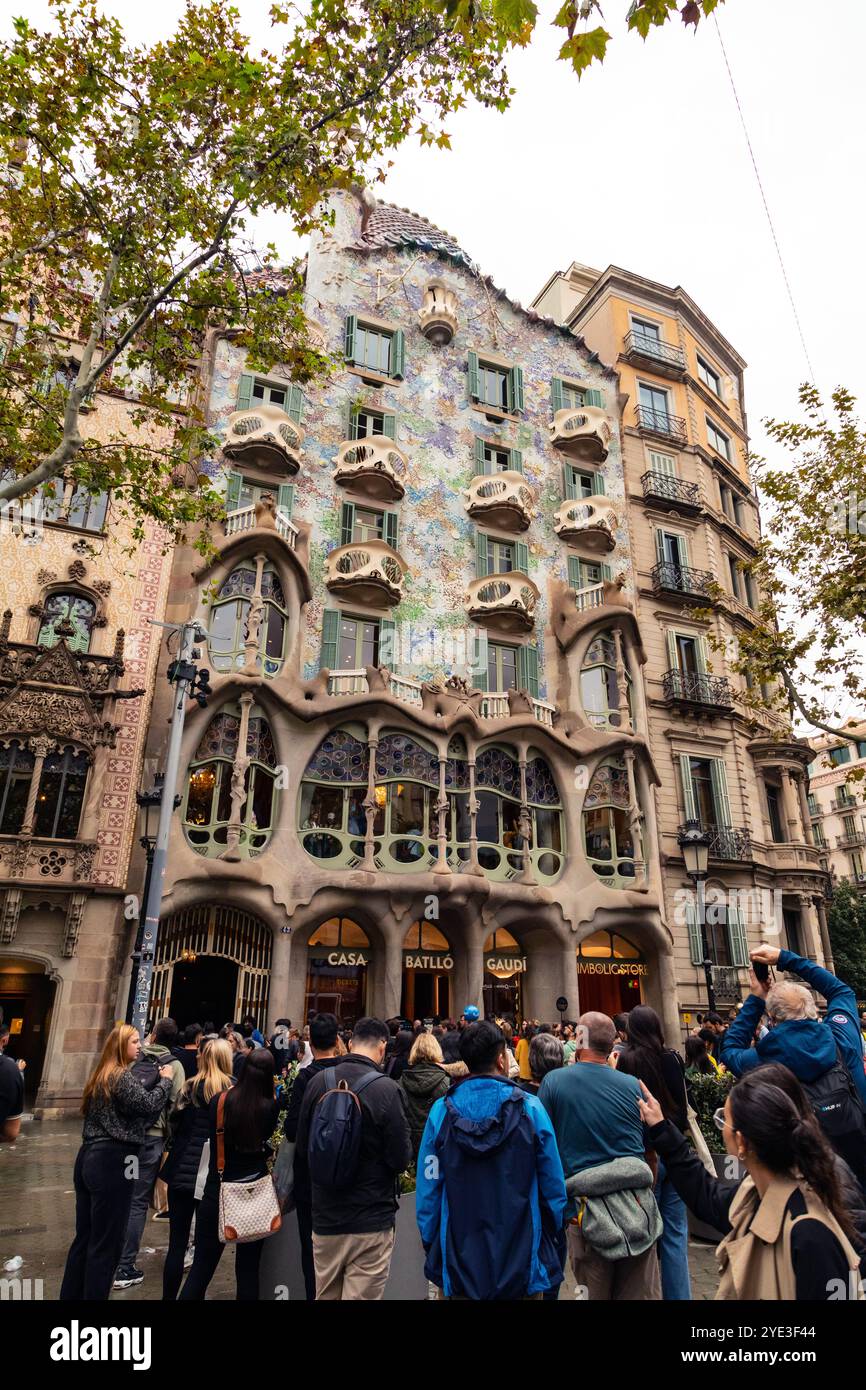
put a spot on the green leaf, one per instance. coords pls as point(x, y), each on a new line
point(515, 15)
point(583, 49)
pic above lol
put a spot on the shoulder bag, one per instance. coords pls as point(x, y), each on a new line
point(247, 1210)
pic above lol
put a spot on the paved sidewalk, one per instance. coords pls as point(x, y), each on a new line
point(37, 1220)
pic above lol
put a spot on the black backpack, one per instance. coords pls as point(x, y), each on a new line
point(334, 1141)
point(839, 1111)
point(146, 1072)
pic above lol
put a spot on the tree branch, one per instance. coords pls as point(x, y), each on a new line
point(810, 718)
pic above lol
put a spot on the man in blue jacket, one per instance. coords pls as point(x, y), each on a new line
point(797, 1037)
point(490, 1193)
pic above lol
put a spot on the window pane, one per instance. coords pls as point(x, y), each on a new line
point(407, 808)
point(548, 829)
point(348, 644)
point(17, 767)
point(202, 781)
point(488, 817)
point(321, 806)
point(357, 822)
point(259, 813)
point(598, 833)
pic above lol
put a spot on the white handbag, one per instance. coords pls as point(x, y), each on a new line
point(247, 1210)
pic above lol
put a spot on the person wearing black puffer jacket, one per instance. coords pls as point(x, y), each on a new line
point(711, 1198)
point(190, 1125)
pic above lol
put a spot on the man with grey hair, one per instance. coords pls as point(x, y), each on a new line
point(825, 1056)
point(595, 1117)
point(545, 1054)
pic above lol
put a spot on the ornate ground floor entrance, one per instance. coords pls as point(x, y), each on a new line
point(213, 965)
point(26, 1004)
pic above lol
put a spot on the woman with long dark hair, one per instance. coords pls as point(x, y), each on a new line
point(117, 1111)
point(251, 1114)
point(792, 1218)
point(661, 1070)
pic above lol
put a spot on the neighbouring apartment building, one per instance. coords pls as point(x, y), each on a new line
point(424, 778)
point(838, 806)
point(693, 524)
point(77, 665)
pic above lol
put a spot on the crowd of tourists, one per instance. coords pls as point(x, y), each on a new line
point(531, 1148)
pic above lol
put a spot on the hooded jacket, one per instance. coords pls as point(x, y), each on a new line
point(805, 1045)
point(422, 1084)
point(490, 1194)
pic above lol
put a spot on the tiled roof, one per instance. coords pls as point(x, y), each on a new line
point(387, 225)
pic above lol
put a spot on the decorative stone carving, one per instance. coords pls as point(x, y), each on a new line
point(374, 466)
point(74, 918)
point(9, 915)
point(44, 577)
point(368, 571)
point(77, 570)
point(265, 435)
point(583, 432)
point(504, 601)
point(63, 716)
point(445, 698)
point(437, 317)
point(85, 856)
point(102, 586)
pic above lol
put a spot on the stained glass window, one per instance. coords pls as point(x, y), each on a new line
point(74, 615)
point(400, 756)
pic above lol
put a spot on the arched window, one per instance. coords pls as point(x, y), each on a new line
point(608, 837)
point(249, 600)
point(599, 693)
point(337, 958)
point(16, 770)
point(339, 931)
point(61, 795)
point(230, 795)
point(333, 808)
point(425, 936)
point(501, 940)
point(70, 616)
point(607, 945)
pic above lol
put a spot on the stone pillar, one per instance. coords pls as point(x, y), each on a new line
point(392, 975)
point(824, 929)
point(667, 999)
point(40, 747)
point(807, 934)
point(789, 806)
point(279, 991)
point(800, 781)
point(240, 768)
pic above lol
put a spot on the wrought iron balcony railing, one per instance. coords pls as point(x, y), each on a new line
point(726, 983)
point(697, 688)
point(660, 422)
point(638, 344)
point(682, 579)
point(670, 489)
point(726, 841)
point(855, 841)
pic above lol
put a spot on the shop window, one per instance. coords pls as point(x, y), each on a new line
point(70, 616)
point(249, 596)
point(229, 800)
point(338, 954)
point(609, 839)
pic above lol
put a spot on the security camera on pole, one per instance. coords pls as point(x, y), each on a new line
point(187, 681)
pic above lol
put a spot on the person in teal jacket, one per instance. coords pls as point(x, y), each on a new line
point(798, 1038)
point(490, 1193)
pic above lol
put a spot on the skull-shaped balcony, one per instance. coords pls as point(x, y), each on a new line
point(373, 466)
point(265, 435)
point(437, 317)
point(505, 602)
point(591, 523)
point(503, 500)
point(367, 572)
point(582, 432)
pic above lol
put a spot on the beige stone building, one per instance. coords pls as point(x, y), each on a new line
point(76, 652)
point(693, 522)
point(838, 807)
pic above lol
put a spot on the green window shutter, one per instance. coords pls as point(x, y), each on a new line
point(701, 653)
point(607, 573)
point(330, 639)
point(398, 354)
point(660, 546)
point(286, 497)
point(696, 945)
point(516, 390)
point(481, 569)
point(720, 791)
point(351, 330)
point(521, 555)
point(556, 402)
point(388, 643)
point(481, 463)
point(474, 386)
point(574, 576)
point(296, 403)
point(245, 391)
point(233, 491)
point(673, 663)
point(389, 426)
point(515, 461)
point(689, 806)
point(350, 420)
point(479, 664)
point(598, 484)
point(527, 669)
point(594, 397)
point(569, 486)
point(390, 529)
point(347, 523)
point(737, 942)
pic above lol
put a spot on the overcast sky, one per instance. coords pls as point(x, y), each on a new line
point(644, 164)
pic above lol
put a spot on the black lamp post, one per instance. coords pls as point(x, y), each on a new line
point(694, 842)
point(149, 803)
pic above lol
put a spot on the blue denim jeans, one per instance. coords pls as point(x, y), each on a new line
point(673, 1247)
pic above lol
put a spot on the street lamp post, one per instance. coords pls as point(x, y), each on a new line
point(148, 814)
point(694, 842)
